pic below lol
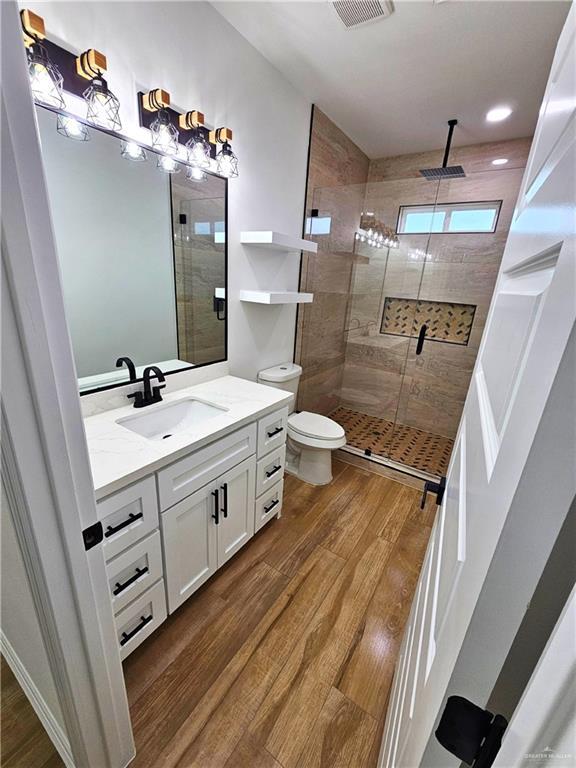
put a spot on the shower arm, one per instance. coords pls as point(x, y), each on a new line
point(452, 124)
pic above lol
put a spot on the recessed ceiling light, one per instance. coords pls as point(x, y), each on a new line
point(498, 113)
point(500, 161)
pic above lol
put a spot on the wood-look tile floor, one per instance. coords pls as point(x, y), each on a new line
point(285, 658)
point(403, 444)
point(23, 741)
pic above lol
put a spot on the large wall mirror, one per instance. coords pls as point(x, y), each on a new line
point(142, 255)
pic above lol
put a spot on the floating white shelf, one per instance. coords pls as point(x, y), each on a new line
point(276, 297)
point(278, 241)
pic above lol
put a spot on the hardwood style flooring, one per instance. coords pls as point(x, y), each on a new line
point(285, 658)
point(406, 445)
point(23, 741)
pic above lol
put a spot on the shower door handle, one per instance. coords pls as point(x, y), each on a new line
point(421, 337)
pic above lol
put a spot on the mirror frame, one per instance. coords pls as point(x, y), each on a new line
point(149, 148)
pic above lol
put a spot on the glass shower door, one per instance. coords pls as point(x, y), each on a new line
point(470, 222)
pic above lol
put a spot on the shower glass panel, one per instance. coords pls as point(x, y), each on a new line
point(389, 343)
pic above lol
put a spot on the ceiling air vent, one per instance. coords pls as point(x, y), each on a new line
point(355, 12)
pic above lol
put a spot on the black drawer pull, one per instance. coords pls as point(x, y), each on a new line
point(126, 636)
point(112, 529)
point(275, 432)
point(216, 513)
point(225, 499)
point(119, 588)
point(274, 469)
point(271, 506)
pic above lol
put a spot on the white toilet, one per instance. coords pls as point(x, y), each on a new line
point(311, 437)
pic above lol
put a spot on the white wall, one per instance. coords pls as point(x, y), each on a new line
point(113, 230)
point(188, 49)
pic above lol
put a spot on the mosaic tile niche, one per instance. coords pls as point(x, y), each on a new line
point(445, 321)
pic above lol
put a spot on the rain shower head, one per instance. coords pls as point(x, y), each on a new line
point(446, 171)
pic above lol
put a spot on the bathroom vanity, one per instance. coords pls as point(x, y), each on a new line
point(182, 486)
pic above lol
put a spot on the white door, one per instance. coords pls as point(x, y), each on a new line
point(236, 503)
point(190, 544)
point(530, 320)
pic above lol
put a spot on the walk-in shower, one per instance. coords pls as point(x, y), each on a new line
point(402, 283)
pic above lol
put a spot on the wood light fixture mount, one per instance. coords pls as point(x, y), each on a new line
point(33, 28)
point(91, 64)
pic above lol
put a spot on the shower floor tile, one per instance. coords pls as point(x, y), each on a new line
point(406, 445)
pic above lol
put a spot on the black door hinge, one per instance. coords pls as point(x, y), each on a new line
point(93, 535)
point(437, 488)
point(471, 733)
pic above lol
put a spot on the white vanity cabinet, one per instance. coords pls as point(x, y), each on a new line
point(166, 534)
point(204, 530)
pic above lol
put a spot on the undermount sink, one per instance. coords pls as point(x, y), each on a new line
point(166, 420)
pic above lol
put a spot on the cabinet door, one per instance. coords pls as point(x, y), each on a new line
point(236, 499)
point(190, 546)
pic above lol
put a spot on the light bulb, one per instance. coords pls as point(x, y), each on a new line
point(500, 161)
point(72, 128)
point(168, 164)
point(164, 134)
point(227, 162)
point(133, 151)
point(45, 78)
point(195, 174)
point(199, 151)
point(103, 106)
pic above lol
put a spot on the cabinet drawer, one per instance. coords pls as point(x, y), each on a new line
point(136, 622)
point(272, 431)
point(270, 469)
point(128, 516)
point(268, 505)
point(132, 572)
point(191, 473)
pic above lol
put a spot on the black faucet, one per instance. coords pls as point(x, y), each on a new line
point(129, 365)
point(151, 394)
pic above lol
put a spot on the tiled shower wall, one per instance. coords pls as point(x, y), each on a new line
point(336, 163)
point(347, 361)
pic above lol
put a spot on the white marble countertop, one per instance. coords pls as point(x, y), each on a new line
point(119, 456)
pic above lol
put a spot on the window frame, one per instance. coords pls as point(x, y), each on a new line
point(450, 207)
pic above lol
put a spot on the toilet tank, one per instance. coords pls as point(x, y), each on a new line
point(284, 376)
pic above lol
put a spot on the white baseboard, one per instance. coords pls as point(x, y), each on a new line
point(51, 726)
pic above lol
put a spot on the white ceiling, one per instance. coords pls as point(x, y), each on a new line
point(392, 84)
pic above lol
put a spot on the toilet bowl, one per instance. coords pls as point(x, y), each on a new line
point(311, 437)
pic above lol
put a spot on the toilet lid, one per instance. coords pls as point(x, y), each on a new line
point(314, 425)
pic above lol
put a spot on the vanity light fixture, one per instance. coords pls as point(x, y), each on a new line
point(45, 78)
point(168, 164)
point(164, 133)
point(103, 106)
point(226, 160)
point(133, 151)
point(376, 234)
point(72, 128)
point(197, 146)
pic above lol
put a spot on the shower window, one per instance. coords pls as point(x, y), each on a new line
point(456, 217)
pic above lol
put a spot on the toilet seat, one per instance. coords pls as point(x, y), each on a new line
point(315, 430)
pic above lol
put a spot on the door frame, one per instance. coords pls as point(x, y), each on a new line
point(45, 458)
